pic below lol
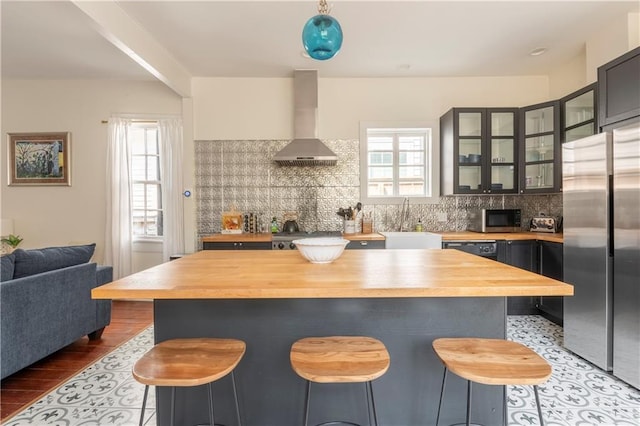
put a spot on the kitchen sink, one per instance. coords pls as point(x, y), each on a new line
point(412, 240)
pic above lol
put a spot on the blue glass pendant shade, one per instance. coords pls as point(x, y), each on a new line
point(322, 37)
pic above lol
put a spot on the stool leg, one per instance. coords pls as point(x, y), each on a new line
point(306, 404)
point(144, 404)
point(535, 392)
point(373, 404)
point(235, 396)
point(173, 405)
point(366, 391)
point(211, 416)
point(504, 408)
point(468, 402)
point(444, 379)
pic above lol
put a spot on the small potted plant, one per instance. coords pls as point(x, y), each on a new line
point(12, 241)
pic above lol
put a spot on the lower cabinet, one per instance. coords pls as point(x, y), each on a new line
point(542, 257)
point(365, 244)
point(524, 255)
point(550, 265)
point(263, 245)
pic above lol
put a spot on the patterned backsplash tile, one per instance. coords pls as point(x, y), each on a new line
point(242, 173)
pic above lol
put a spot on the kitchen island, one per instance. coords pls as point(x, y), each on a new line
point(269, 299)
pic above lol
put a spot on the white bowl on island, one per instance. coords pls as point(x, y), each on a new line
point(321, 250)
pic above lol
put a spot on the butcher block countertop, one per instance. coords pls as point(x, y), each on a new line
point(237, 238)
point(268, 274)
point(266, 237)
point(480, 236)
point(446, 236)
point(364, 237)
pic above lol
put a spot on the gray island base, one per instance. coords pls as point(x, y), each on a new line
point(271, 394)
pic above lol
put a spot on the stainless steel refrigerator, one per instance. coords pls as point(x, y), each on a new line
point(601, 209)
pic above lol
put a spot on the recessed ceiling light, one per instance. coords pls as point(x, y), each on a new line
point(538, 51)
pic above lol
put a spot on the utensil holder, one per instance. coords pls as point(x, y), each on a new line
point(349, 227)
point(367, 226)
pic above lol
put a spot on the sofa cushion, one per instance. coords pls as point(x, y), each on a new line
point(7, 267)
point(35, 261)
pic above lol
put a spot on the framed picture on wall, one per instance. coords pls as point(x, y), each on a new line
point(39, 159)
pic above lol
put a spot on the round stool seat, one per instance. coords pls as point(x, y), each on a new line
point(188, 362)
point(492, 361)
point(339, 359)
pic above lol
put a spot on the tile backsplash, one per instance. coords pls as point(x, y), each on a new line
point(242, 173)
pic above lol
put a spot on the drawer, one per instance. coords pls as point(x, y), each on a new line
point(365, 244)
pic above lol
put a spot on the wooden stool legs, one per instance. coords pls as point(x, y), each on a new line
point(468, 419)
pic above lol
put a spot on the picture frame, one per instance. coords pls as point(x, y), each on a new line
point(39, 159)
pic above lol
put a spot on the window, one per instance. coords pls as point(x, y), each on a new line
point(146, 189)
point(397, 162)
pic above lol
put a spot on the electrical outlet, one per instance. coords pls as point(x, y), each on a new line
point(442, 217)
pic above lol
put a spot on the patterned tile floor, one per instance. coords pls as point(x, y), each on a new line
point(578, 394)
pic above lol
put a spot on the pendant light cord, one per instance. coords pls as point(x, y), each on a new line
point(323, 7)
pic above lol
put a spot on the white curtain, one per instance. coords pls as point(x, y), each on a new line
point(118, 235)
point(170, 138)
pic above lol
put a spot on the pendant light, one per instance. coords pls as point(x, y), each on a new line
point(322, 34)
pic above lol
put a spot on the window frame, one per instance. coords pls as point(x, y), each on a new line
point(137, 237)
point(431, 161)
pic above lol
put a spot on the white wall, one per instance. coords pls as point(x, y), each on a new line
point(252, 108)
point(613, 40)
point(569, 77)
point(48, 216)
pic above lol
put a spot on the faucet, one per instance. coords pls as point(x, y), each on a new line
point(404, 215)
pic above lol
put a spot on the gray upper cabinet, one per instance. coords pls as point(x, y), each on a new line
point(578, 114)
point(540, 163)
point(478, 148)
point(619, 90)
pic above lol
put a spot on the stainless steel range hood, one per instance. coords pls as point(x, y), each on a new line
point(306, 149)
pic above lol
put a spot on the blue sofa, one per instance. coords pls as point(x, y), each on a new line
point(46, 304)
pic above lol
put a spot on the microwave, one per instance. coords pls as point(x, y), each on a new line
point(496, 220)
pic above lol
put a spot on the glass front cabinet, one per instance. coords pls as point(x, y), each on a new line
point(540, 162)
point(479, 151)
point(578, 111)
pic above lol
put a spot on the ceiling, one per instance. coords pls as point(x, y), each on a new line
point(57, 40)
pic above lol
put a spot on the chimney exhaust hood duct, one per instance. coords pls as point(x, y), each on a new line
point(306, 149)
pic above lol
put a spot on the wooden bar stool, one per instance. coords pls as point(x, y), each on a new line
point(491, 362)
point(340, 359)
point(189, 362)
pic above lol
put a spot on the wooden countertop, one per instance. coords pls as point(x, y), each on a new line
point(266, 274)
point(481, 236)
point(364, 237)
point(237, 238)
point(266, 237)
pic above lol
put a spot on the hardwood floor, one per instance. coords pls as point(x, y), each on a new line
point(128, 318)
